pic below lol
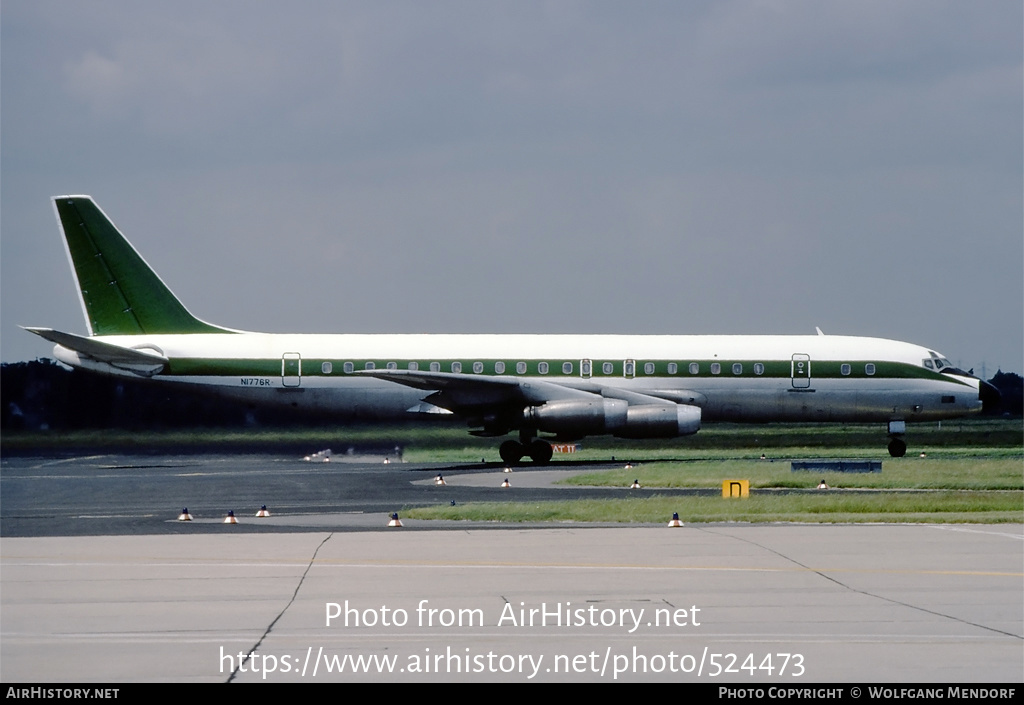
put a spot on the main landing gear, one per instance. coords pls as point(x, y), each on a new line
point(512, 452)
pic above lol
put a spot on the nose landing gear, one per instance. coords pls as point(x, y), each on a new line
point(897, 446)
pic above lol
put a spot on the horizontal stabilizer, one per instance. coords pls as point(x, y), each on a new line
point(99, 351)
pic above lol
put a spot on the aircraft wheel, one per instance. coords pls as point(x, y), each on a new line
point(511, 452)
point(897, 448)
point(541, 451)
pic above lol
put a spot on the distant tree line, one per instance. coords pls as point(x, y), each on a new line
point(46, 395)
point(1011, 388)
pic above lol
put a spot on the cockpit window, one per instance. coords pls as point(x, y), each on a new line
point(940, 363)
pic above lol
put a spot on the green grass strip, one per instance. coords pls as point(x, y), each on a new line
point(952, 472)
point(829, 507)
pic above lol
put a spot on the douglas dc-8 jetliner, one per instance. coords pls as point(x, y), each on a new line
point(569, 386)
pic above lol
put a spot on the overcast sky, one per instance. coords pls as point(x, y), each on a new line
point(586, 167)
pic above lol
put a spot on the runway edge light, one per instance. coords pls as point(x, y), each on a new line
point(184, 516)
point(230, 518)
point(263, 512)
point(675, 520)
point(395, 521)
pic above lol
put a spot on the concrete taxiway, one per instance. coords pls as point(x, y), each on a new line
point(326, 592)
point(120, 494)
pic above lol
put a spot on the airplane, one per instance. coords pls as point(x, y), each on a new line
point(566, 386)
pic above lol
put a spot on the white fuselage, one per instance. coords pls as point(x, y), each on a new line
point(740, 378)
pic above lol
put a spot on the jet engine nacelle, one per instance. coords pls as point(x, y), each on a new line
point(578, 416)
point(656, 421)
point(614, 416)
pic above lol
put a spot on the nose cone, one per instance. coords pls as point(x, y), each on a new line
point(989, 395)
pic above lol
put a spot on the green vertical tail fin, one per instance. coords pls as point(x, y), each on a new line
point(121, 294)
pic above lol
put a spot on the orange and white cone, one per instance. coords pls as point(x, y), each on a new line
point(439, 480)
point(675, 520)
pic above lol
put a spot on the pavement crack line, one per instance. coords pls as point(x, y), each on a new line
point(865, 592)
point(270, 626)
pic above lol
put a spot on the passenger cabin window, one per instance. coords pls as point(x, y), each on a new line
point(628, 368)
point(435, 366)
point(392, 365)
point(648, 368)
point(585, 368)
point(694, 368)
point(542, 367)
point(845, 369)
point(499, 367)
point(607, 368)
point(758, 368)
point(716, 368)
point(869, 368)
point(326, 368)
point(348, 367)
point(478, 367)
point(456, 367)
point(566, 368)
point(673, 368)
point(521, 368)
point(737, 368)
point(414, 365)
point(370, 366)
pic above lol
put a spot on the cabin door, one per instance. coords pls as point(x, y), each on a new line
point(801, 371)
point(291, 370)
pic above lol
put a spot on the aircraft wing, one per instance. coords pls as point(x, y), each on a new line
point(463, 390)
point(466, 394)
point(502, 402)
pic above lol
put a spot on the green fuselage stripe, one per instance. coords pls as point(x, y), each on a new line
point(778, 369)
